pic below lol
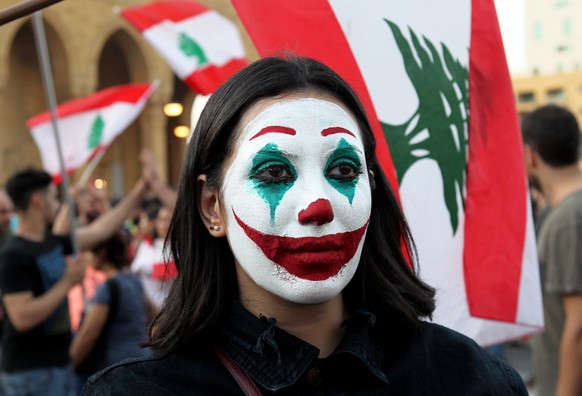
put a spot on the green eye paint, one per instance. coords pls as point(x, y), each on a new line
point(344, 154)
point(271, 191)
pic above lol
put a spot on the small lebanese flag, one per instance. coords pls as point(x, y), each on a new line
point(87, 125)
point(433, 78)
point(202, 47)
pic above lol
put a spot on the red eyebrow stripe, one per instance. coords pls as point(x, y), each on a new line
point(274, 129)
point(333, 130)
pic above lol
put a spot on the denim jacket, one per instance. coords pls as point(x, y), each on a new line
point(435, 361)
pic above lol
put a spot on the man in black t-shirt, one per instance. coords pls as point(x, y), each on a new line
point(35, 276)
point(6, 210)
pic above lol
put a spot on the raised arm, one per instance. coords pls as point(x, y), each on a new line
point(111, 221)
point(89, 332)
point(570, 375)
point(165, 193)
point(61, 224)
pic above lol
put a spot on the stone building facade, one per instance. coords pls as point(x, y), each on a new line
point(92, 47)
point(552, 36)
point(564, 89)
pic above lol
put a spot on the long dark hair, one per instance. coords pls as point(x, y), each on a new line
point(206, 284)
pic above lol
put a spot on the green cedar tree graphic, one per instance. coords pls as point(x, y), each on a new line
point(438, 128)
point(191, 48)
point(96, 134)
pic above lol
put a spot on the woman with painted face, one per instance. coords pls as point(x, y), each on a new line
point(295, 262)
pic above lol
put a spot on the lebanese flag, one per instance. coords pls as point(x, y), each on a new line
point(435, 84)
point(202, 47)
point(87, 125)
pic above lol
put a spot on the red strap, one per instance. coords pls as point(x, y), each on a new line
point(242, 378)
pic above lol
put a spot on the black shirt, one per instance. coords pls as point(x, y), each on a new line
point(35, 266)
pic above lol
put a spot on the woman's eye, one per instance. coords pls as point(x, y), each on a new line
point(274, 174)
point(343, 171)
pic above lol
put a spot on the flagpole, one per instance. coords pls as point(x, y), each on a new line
point(91, 167)
point(49, 89)
point(23, 9)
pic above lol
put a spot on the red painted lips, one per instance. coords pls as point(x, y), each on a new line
point(310, 258)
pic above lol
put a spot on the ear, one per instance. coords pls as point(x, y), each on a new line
point(36, 200)
point(530, 156)
point(209, 208)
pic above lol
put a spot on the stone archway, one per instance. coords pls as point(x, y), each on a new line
point(120, 62)
point(23, 96)
point(177, 145)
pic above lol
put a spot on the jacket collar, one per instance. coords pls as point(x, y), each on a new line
point(276, 360)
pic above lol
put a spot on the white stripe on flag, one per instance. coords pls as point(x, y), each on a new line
point(378, 56)
point(75, 131)
point(530, 296)
point(218, 37)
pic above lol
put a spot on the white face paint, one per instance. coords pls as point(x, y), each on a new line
point(298, 199)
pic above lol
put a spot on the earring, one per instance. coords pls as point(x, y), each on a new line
point(372, 180)
point(214, 228)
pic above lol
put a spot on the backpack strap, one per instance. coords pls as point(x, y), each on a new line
point(113, 288)
point(242, 378)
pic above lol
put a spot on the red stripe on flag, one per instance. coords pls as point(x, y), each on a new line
point(146, 16)
point(130, 93)
point(495, 214)
point(58, 178)
point(310, 28)
point(207, 80)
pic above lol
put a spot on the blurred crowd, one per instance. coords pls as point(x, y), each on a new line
point(117, 281)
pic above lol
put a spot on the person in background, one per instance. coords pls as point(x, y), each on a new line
point(151, 264)
point(552, 152)
point(36, 273)
point(6, 213)
point(6, 216)
point(165, 193)
point(296, 269)
point(115, 323)
point(540, 207)
point(142, 226)
point(90, 203)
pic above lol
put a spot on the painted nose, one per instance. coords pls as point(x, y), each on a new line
point(319, 212)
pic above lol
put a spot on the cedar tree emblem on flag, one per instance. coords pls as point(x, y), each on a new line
point(191, 49)
point(96, 133)
point(438, 128)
